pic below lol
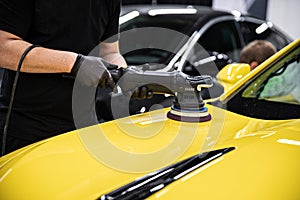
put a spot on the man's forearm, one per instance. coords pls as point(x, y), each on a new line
point(39, 60)
point(115, 58)
point(111, 53)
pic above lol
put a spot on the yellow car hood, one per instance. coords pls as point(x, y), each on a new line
point(88, 163)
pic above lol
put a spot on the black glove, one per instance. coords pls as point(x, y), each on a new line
point(142, 93)
point(92, 71)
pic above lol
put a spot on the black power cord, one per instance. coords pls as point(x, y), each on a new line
point(13, 90)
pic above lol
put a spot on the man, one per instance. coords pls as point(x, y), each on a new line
point(256, 52)
point(252, 55)
point(66, 31)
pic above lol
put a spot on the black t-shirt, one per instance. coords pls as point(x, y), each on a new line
point(43, 102)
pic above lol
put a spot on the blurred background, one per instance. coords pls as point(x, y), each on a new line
point(285, 14)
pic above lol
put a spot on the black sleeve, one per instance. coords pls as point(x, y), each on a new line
point(16, 16)
point(112, 29)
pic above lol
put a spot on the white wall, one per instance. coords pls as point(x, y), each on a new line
point(229, 5)
point(286, 15)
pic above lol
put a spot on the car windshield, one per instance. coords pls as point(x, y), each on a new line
point(273, 93)
point(281, 83)
point(181, 23)
point(168, 31)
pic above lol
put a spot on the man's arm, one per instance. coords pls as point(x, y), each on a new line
point(111, 53)
point(39, 60)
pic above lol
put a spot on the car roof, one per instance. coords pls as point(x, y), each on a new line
point(183, 18)
point(200, 10)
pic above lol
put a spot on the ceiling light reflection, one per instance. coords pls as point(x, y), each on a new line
point(172, 11)
point(236, 13)
point(129, 16)
point(287, 141)
point(262, 28)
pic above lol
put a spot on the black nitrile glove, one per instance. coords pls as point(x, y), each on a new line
point(92, 71)
point(142, 93)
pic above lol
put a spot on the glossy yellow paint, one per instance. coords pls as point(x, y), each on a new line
point(267, 168)
point(63, 168)
point(231, 74)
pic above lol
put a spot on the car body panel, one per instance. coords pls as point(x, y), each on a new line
point(264, 169)
point(232, 73)
point(62, 168)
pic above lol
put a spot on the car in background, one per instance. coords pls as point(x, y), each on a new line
point(193, 39)
point(216, 31)
point(248, 149)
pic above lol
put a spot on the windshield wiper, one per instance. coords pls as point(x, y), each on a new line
point(151, 183)
point(278, 72)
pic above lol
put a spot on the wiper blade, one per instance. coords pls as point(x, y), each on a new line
point(151, 183)
point(278, 72)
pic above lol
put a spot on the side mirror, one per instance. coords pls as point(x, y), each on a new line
point(232, 73)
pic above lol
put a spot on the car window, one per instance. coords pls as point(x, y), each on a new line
point(216, 47)
point(281, 83)
point(223, 38)
point(254, 31)
point(181, 23)
point(274, 94)
point(144, 51)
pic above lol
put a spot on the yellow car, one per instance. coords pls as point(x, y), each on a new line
point(245, 145)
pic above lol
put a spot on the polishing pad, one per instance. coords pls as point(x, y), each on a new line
point(200, 115)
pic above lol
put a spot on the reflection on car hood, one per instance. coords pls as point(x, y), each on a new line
point(77, 165)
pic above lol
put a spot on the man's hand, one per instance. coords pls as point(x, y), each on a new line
point(142, 93)
point(92, 71)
